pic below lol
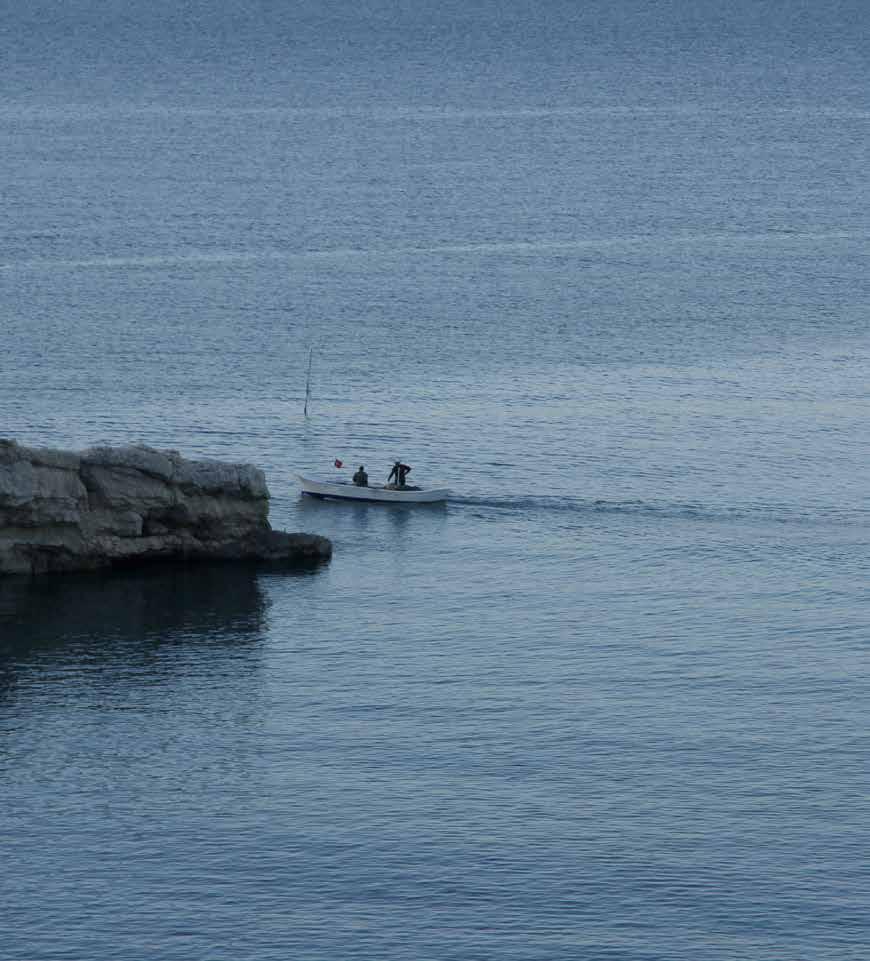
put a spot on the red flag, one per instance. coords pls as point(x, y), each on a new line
point(338, 463)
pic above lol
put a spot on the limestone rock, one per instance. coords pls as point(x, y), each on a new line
point(62, 511)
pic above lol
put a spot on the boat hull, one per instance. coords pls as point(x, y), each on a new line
point(336, 490)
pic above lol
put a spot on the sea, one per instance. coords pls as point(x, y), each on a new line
point(602, 269)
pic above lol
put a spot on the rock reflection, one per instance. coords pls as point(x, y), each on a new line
point(129, 615)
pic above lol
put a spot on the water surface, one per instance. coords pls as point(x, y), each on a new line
point(602, 271)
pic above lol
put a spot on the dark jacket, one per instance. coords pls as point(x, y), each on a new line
point(399, 472)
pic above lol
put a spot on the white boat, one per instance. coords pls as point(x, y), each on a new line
point(382, 494)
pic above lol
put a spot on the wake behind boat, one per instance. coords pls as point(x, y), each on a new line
point(383, 494)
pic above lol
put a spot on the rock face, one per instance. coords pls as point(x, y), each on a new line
point(109, 506)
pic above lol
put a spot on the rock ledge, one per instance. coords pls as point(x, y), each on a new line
point(111, 506)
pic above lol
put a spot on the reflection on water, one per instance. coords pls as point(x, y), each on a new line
point(128, 615)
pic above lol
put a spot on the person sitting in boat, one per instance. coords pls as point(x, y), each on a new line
point(361, 478)
point(400, 471)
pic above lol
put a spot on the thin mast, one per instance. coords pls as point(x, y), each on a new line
point(308, 381)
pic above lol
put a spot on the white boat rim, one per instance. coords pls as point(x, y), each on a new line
point(374, 493)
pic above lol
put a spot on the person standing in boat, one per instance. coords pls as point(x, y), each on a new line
point(361, 478)
point(400, 471)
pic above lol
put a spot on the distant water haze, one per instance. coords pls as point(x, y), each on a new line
point(600, 268)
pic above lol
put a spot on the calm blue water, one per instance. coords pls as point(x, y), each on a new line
point(603, 269)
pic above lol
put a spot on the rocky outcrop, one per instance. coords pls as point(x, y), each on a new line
point(108, 506)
